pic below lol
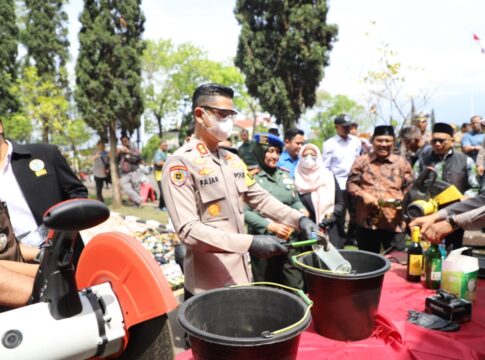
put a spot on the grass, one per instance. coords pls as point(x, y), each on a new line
point(149, 212)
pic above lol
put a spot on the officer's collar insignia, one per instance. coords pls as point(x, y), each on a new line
point(202, 149)
point(38, 167)
point(214, 209)
point(206, 171)
point(178, 175)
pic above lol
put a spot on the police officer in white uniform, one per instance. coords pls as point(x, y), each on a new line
point(205, 188)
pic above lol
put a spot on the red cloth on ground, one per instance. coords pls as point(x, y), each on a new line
point(395, 338)
point(147, 193)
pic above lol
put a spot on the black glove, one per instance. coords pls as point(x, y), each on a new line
point(431, 321)
point(265, 246)
point(328, 221)
point(307, 227)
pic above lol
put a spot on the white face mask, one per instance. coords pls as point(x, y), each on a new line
point(309, 162)
point(220, 129)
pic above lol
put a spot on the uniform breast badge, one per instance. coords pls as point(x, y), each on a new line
point(214, 209)
point(205, 171)
point(38, 167)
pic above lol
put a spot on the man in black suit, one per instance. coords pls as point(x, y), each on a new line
point(34, 177)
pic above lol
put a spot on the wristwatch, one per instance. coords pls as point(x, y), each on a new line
point(451, 220)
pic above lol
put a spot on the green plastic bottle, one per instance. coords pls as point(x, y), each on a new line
point(432, 267)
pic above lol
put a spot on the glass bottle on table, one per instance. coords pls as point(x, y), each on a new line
point(432, 267)
point(415, 257)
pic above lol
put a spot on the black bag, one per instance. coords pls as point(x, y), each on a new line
point(107, 168)
point(9, 245)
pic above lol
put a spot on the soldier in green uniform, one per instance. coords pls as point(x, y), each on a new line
point(278, 183)
point(246, 151)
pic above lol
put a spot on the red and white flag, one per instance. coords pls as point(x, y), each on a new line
point(479, 43)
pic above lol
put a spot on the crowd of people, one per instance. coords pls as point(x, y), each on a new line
point(352, 189)
point(236, 209)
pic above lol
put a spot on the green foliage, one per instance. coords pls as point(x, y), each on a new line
point(46, 38)
point(327, 108)
point(172, 73)
point(42, 101)
point(8, 57)
point(73, 132)
point(149, 149)
point(108, 68)
point(283, 49)
point(18, 127)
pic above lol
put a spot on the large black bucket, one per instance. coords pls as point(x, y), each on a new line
point(345, 305)
point(243, 323)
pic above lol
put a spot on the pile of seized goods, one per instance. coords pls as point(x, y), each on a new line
point(161, 243)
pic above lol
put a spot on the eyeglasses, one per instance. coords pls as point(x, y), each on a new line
point(228, 114)
point(440, 141)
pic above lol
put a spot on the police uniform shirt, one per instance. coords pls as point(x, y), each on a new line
point(205, 195)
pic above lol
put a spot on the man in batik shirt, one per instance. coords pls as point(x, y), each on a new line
point(379, 180)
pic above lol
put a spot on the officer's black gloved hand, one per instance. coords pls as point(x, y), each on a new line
point(431, 321)
point(328, 221)
point(265, 246)
point(307, 227)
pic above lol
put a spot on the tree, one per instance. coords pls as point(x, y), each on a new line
point(108, 71)
point(327, 108)
point(8, 58)
point(172, 73)
point(46, 40)
point(387, 85)
point(42, 102)
point(283, 49)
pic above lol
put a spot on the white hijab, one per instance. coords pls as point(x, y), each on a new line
point(318, 181)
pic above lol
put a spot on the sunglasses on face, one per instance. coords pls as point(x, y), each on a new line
point(221, 113)
point(439, 141)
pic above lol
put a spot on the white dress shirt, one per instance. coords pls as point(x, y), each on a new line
point(21, 217)
point(339, 155)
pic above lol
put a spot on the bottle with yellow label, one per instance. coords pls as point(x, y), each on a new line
point(415, 257)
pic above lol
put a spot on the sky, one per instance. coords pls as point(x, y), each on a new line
point(433, 41)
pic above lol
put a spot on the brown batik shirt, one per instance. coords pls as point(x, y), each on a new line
point(384, 179)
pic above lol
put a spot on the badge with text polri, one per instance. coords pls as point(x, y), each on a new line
point(178, 175)
point(38, 167)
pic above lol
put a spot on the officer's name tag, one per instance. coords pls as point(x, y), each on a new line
point(209, 180)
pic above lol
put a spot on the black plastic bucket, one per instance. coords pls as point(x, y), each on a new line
point(344, 305)
point(236, 323)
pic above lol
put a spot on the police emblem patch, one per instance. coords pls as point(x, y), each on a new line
point(178, 175)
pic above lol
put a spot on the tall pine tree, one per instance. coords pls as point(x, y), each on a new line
point(283, 48)
point(46, 40)
point(108, 70)
point(9, 34)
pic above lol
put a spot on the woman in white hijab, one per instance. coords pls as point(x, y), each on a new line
point(320, 193)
